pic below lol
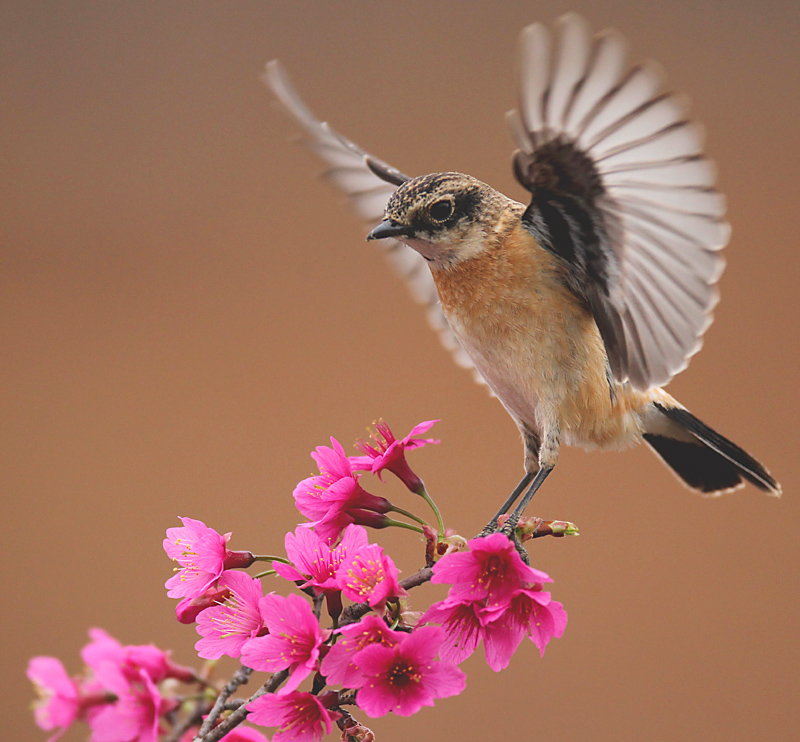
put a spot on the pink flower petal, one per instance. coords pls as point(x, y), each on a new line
point(293, 641)
point(225, 628)
point(300, 717)
point(463, 623)
point(341, 665)
point(405, 677)
point(58, 705)
point(369, 575)
point(200, 551)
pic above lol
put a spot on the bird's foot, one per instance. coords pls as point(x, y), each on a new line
point(503, 523)
point(521, 550)
point(508, 529)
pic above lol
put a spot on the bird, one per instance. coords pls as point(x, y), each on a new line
point(577, 307)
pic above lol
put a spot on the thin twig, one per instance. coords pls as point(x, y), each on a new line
point(240, 677)
point(347, 697)
point(417, 579)
point(318, 605)
point(238, 716)
point(200, 710)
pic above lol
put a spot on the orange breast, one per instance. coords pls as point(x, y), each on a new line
point(535, 342)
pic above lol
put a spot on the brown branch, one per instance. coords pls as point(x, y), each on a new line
point(201, 708)
point(347, 697)
point(240, 677)
point(238, 716)
point(417, 579)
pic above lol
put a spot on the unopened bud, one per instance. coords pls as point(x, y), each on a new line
point(529, 528)
point(238, 559)
point(354, 731)
point(369, 518)
point(187, 610)
point(563, 528)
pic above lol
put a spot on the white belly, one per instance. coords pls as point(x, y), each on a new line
point(547, 384)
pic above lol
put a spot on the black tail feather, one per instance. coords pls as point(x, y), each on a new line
point(702, 468)
point(711, 463)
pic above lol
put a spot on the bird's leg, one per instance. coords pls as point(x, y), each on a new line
point(491, 526)
point(548, 456)
point(532, 444)
point(513, 519)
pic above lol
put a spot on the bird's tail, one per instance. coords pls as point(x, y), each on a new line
point(706, 461)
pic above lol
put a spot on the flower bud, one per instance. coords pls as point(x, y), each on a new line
point(531, 527)
point(238, 559)
point(188, 609)
point(354, 730)
point(369, 518)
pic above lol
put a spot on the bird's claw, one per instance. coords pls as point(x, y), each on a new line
point(490, 528)
point(509, 531)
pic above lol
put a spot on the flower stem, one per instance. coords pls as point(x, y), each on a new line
point(400, 524)
point(265, 574)
point(423, 493)
point(409, 514)
point(269, 558)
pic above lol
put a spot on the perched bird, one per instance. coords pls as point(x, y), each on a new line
point(577, 307)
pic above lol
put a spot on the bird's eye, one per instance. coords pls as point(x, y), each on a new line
point(441, 210)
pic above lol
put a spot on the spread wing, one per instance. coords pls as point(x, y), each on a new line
point(368, 184)
point(622, 193)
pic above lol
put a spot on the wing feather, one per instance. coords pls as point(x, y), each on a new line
point(570, 66)
point(534, 73)
point(606, 65)
point(686, 172)
point(368, 184)
point(639, 87)
point(606, 152)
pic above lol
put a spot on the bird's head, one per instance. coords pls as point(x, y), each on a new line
point(445, 217)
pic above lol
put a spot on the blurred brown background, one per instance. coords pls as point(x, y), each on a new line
point(187, 312)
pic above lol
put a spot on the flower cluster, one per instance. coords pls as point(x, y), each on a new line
point(117, 695)
point(370, 651)
point(496, 598)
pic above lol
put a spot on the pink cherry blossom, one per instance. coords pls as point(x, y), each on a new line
point(226, 627)
point(369, 575)
point(464, 624)
point(405, 677)
point(203, 556)
point(491, 570)
point(104, 649)
point(528, 612)
point(333, 499)
point(340, 666)
point(388, 453)
point(134, 717)
point(59, 703)
point(300, 717)
point(293, 642)
point(314, 561)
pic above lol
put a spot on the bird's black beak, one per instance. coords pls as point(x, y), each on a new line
point(387, 228)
